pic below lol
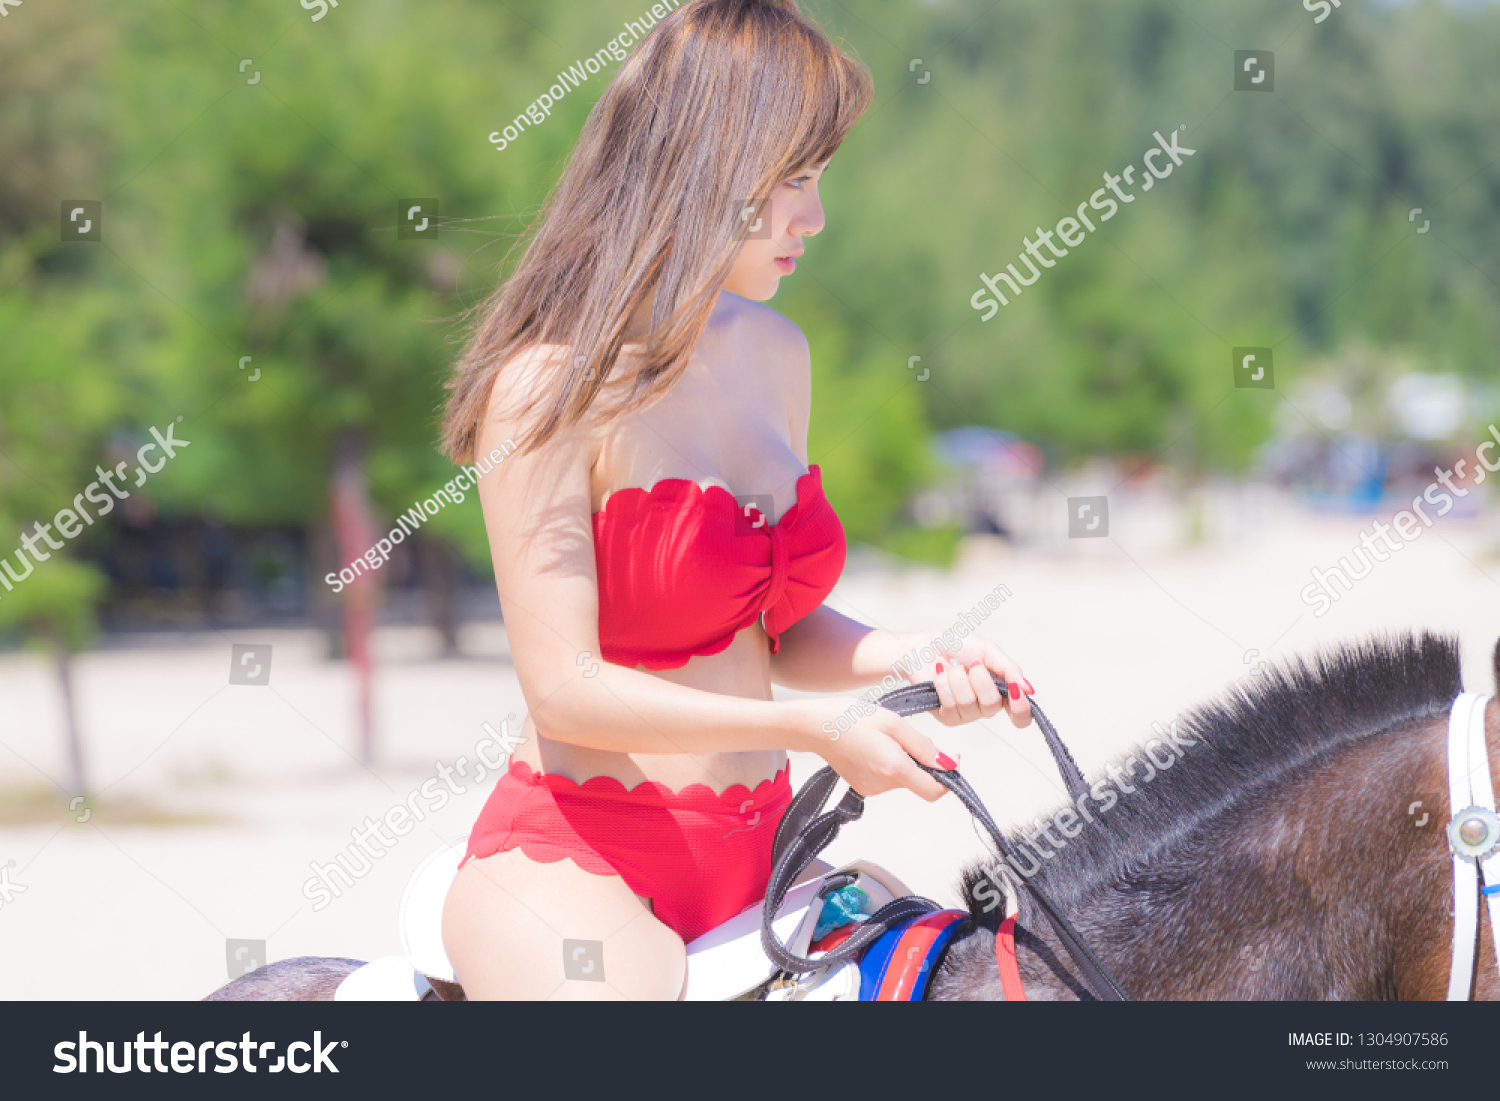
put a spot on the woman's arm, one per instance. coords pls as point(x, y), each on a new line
point(828, 652)
point(537, 513)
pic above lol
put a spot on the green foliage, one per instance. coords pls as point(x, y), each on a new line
point(931, 546)
point(1287, 228)
point(55, 602)
point(259, 220)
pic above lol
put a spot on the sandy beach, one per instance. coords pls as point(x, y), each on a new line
point(214, 798)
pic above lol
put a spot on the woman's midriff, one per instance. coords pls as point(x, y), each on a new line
point(743, 671)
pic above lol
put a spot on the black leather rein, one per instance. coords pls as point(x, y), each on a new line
point(805, 831)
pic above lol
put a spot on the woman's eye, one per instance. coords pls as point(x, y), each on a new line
point(797, 183)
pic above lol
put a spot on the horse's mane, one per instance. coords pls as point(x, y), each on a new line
point(1258, 733)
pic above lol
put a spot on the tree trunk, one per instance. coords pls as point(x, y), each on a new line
point(440, 582)
point(325, 607)
point(62, 664)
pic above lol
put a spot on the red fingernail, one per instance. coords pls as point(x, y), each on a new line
point(1015, 691)
point(939, 667)
point(946, 763)
point(1030, 691)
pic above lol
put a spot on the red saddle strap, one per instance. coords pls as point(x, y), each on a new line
point(1005, 954)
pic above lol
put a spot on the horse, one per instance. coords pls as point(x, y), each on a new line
point(1285, 856)
point(1280, 856)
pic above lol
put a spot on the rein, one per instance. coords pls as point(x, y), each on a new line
point(805, 831)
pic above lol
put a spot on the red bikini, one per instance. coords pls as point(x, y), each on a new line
point(681, 571)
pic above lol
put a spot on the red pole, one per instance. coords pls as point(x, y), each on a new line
point(354, 535)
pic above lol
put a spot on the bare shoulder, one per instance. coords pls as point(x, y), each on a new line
point(767, 347)
point(522, 376)
point(775, 343)
point(519, 400)
point(520, 388)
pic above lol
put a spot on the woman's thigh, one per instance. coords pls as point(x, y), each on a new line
point(507, 918)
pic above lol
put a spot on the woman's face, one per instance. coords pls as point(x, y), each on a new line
point(775, 238)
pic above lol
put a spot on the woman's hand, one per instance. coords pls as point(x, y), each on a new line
point(876, 752)
point(967, 691)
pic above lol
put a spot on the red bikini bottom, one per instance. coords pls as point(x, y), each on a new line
point(700, 857)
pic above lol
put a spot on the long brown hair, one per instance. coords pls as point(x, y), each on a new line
point(723, 100)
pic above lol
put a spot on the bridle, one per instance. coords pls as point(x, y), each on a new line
point(910, 933)
point(1473, 839)
point(900, 945)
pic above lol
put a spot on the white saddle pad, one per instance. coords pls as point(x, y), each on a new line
point(723, 963)
point(388, 979)
point(420, 924)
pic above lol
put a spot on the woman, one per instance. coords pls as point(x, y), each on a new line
point(649, 609)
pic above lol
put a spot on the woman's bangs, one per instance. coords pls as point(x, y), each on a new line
point(838, 93)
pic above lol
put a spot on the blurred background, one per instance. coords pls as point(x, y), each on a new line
point(242, 167)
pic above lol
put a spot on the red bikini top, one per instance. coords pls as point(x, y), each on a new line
point(683, 569)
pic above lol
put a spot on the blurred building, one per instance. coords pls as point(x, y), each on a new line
point(1356, 438)
point(987, 485)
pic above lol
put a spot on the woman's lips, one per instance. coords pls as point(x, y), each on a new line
point(786, 264)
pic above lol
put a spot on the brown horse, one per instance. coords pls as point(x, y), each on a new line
point(1297, 851)
point(1283, 856)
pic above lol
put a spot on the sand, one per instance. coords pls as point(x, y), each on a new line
point(1114, 633)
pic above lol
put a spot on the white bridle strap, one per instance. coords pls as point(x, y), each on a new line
point(1484, 795)
point(1469, 786)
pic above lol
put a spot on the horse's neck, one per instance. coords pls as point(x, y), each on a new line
point(1322, 887)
